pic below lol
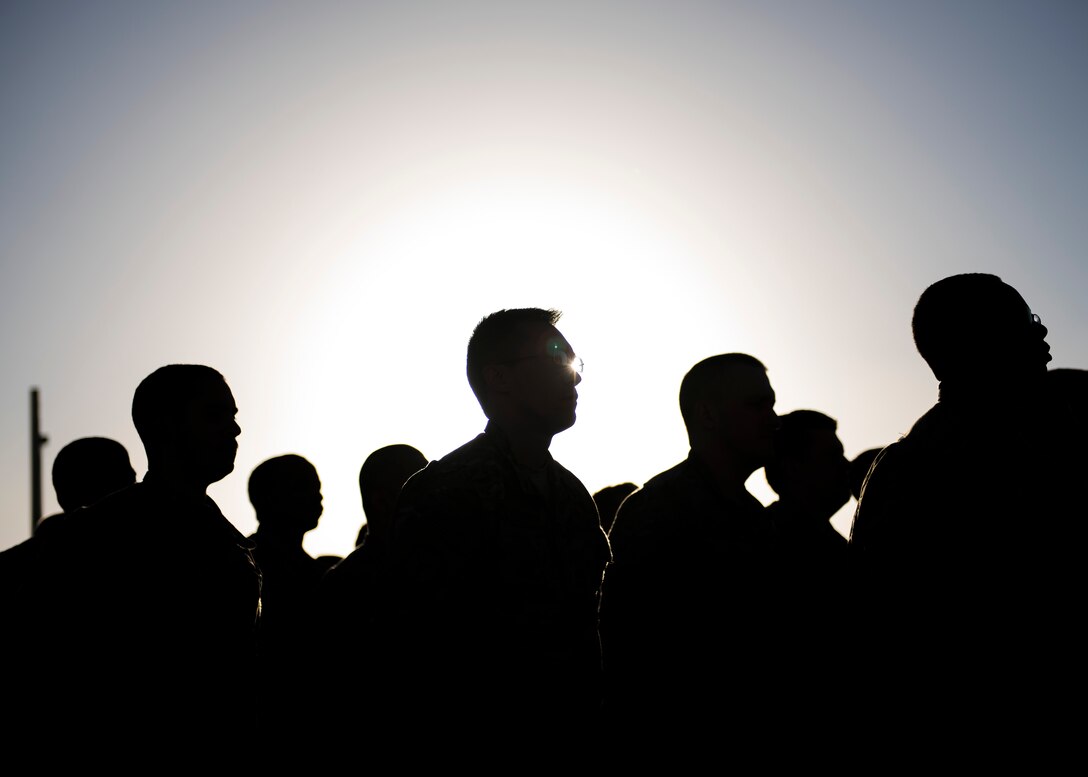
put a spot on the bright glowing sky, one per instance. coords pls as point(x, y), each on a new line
point(320, 199)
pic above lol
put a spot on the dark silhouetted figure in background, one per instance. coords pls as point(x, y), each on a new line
point(859, 469)
point(969, 530)
point(810, 475)
point(146, 605)
point(87, 469)
point(345, 596)
point(285, 492)
point(608, 501)
point(685, 607)
point(495, 570)
point(381, 477)
point(84, 471)
point(348, 589)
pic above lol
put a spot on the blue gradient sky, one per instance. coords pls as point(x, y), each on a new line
point(321, 199)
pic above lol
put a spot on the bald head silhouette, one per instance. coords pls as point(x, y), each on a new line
point(974, 326)
point(87, 469)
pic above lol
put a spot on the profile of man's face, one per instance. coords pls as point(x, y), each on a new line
point(1012, 335)
point(541, 380)
point(208, 432)
point(992, 335)
point(299, 496)
point(821, 473)
point(747, 417)
point(1029, 345)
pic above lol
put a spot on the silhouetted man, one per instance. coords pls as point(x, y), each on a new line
point(496, 566)
point(346, 599)
point(684, 609)
point(145, 610)
point(84, 471)
point(348, 588)
point(285, 492)
point(87, 469)
point(381, 477)
point(969, 536)
point(811, 476)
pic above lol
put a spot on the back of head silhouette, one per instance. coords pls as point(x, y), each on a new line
point(285, 492)
point(975, 326)
point(185, 416)
point(87, 469)
point(808, 465)
point(380, 479)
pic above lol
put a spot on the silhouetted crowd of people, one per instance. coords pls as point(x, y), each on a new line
point(496, 615)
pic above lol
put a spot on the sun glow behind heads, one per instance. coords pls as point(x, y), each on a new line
point(322, 201)
point(377, 355)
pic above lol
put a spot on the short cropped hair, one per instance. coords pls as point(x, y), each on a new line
point(962, 320)
point(268, 479)
point(385, 466)
point(790, 439)
point(162, 395)
point(495, 338)
point(703, 379)
point(87, 469)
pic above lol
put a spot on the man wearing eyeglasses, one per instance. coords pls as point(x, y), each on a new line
point(490, 600)
point(965, 529)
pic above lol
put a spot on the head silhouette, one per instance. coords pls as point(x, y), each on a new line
point(522, 369)
point(87, 469)
point(185, 416)
point(808, 466)
point(383, 473)
point(728, 405)
point(285, 492)
point(975, 327)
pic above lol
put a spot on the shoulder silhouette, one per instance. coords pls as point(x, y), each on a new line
point(165, 584)
point(608, 501)
point(84, 471)
point(954, 531)
point(497, 555)
point(285, 492)
point(686, 607)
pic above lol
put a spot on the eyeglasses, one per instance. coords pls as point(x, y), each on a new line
point(559, 358)
point(1036, 320)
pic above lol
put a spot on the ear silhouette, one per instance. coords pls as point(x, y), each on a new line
point(496, 378)
point(706, 414)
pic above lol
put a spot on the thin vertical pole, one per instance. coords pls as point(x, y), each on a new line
point(37, 440)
